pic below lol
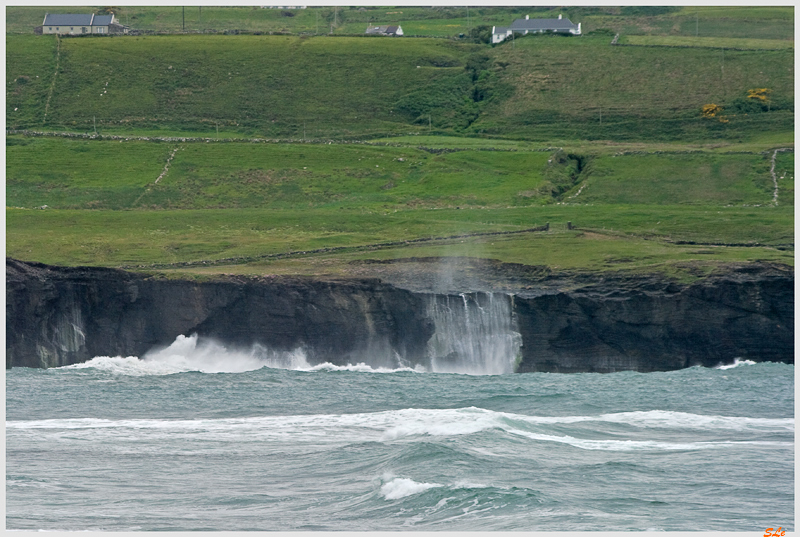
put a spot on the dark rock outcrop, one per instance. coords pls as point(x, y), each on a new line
point(58, 316)
point(647, 326)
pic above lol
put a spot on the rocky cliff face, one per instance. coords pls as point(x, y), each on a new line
point(58, 316)
point(656, 326)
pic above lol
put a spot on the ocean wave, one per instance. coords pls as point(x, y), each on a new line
point(400, 487)
point(394, 488)
point(190, 354)
point(408, 425)
point(736, 363)
point(670, 419)
point(361, 367)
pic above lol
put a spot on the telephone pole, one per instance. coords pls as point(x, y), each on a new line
point(183, 18)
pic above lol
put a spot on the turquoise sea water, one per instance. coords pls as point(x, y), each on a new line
point(216, 441)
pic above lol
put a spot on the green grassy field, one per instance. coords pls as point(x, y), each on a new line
point(707, 42)
point(113, 238)
point(539, 88)
point(582, 88)
point(678, 179)
point(93, 174)
point(403, 139)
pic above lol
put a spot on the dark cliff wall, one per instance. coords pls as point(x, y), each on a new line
point(58, 316)
point(619, 326)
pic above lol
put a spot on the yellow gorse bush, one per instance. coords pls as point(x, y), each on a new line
point(758, 93)
point(711, 110)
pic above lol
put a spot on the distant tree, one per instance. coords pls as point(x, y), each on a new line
point(107, 10)
point(481, 34)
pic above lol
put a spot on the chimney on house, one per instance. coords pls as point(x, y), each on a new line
point(559, 16)
point(527, 17)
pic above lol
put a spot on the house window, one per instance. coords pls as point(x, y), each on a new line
point(100, 30)
point(83, 29)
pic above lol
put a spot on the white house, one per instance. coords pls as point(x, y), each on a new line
point(528, 25)
point(385, 30)
point(79, 24)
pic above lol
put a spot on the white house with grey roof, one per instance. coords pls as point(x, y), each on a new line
point(79, 24)
point(395, 31)
point(529, 25)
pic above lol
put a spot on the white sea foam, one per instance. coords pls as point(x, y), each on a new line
point(619, 445)
point(190, 354)
point(400, 487)
point(408, 425)
point(736, 363)
point(131, 366)
point(669, 419)
point(208, 356)
point(363, 368)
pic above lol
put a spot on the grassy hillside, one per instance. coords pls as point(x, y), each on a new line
point(537, 88)
point(251, 84)
point(466, 138)
point(640, 237)
point(224, 200)
point(738, 43)
point(566, 88)
point(83, 174)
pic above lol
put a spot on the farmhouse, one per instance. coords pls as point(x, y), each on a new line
point(528, 25)
point(396, 31)
point(80, 24)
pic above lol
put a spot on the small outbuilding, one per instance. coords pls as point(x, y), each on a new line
point(394, 31)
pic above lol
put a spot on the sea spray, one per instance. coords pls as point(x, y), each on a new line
point(475, 334)
point(194, 354)
point(209, 356)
